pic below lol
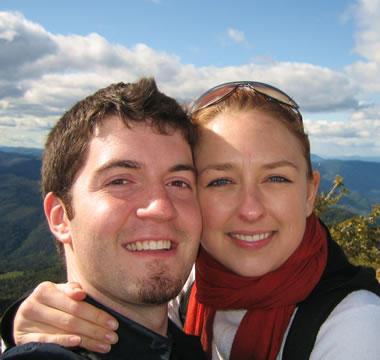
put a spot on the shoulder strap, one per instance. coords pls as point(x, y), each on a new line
point(340, 278)
point(311, 314)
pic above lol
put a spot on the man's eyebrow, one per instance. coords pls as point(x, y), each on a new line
point(132, 164)
point(128, 164)
point(183, 167)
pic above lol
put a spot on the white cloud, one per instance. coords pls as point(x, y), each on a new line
point(68, 67)
point(59, 70)
point(367, 14)
point(351, 137)
point(7, 122)
point(346, 129)
point(236, 35)
point(366, 72)
point(369, 112)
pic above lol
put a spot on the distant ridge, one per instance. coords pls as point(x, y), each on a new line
point(35, 152)
point(314, 157)
point(26, 243)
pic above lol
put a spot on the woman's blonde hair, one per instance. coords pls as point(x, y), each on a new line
point(244, 99)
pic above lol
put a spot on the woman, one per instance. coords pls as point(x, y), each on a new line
point(264, 253)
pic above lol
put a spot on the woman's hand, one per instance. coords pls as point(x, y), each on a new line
point(56, 313)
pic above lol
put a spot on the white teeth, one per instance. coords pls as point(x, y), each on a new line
point(251, 238)
point(149, 245)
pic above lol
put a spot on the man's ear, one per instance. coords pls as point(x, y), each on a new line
point(57, 218)
point(312, 191)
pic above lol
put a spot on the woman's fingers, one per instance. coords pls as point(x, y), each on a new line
point(72, 289)
point(48, 295)
point(68, 340)
point(51, 314)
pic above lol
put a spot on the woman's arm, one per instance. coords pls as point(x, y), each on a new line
point(56, 313)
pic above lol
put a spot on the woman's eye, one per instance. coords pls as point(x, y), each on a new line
point(218, 182)
point(278, 179)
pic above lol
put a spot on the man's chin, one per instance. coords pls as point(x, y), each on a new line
point(159, 290)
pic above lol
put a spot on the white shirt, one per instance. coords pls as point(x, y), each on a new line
point(351, 332)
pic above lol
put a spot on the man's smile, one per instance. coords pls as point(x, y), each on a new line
point(149, 245)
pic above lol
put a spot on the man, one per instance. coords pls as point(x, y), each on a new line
point(120, 198)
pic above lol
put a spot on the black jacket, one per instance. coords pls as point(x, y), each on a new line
point(135, 342)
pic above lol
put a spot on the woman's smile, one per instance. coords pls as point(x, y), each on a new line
point(253, 241)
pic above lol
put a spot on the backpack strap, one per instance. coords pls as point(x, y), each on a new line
point(310, 315)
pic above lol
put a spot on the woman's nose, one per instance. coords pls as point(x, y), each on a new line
point(251, 205)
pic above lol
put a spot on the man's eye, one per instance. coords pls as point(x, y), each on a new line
point(219, 182)
point(180, 183)
point(119, 182)
point(278, 179)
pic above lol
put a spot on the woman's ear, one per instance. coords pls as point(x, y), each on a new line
point(312, 191)
point(57, 218)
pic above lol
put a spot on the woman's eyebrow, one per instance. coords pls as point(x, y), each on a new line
point(217, 167)
point(229, 166)
point(281, 163)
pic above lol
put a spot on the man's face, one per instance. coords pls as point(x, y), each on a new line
point(136, 226)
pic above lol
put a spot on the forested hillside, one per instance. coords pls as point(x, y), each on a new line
point(27, 250)
point(25, 242)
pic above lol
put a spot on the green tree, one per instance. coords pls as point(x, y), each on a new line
point(324, 201)
point(359, 235)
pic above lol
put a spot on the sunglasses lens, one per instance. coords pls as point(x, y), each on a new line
point(273, 93)
point(212, 96)
point(220, 92)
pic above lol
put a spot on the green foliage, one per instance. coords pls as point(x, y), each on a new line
point(358, 235)
point(323, 201)
point(13, 284)
point(27, 251)
point(360, 238)
point(11, 275)
point(336, 215)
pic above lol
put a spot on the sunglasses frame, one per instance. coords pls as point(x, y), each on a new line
point(223, 91)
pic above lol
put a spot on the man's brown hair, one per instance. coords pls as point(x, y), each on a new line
point(67, 143)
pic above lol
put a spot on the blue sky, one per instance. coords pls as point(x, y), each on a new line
point(325, 54)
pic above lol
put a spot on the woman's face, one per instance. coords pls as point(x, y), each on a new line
point(253, 191)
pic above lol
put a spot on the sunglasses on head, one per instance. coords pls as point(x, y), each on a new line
point(221, 92)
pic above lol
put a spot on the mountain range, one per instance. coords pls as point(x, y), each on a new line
point(26, 243)
point(27, 251)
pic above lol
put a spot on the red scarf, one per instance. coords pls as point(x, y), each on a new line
point(269, 299)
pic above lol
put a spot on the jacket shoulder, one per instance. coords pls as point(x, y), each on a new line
point(40, 351)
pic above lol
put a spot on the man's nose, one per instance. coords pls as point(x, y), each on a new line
point(158, 206)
